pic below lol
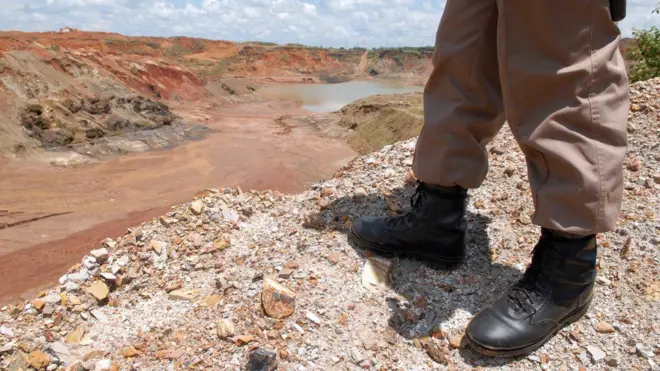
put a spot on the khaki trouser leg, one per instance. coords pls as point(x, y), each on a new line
point(463, 107)
point(566, 98)
point(565, 93)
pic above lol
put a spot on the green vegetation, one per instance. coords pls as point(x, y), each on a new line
point(295, 45)
point(138, 51)
point(261, 43)
point(645, 56)
point(176, 51)
point(184, 46)
point(210, 68)
point(123, 43)
point(334, 79)
point(54, 48)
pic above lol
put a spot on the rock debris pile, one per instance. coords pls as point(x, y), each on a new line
point(260, 280)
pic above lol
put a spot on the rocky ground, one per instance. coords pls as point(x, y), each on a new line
point(246, 280)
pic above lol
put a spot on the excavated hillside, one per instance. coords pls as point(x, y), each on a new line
point(240, 279)
point(55, 98)
point(89, 94)
point(370, 123)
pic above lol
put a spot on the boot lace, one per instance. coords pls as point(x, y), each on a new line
point(415, 204)
point(535, 282)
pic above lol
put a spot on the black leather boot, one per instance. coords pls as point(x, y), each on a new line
point(433, 231)
point(556, 290)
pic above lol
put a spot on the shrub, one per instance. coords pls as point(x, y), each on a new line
point(646, 54)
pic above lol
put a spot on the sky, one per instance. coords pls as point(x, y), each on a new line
point(335, 23)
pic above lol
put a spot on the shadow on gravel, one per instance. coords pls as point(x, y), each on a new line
point(433, 295)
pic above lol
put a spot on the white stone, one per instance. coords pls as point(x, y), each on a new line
point(60, 348)
point(376, 272)
point(64, 279)
point(109, 242)
point(90, 262)
point(108, 276)
point(229, 215)
point(52, 298)
point(6, 348)
point(197, 207)
point(644, 350)
point(98, 314)
point(81, 276)
point(103, 364)
point(597, 355)
point(313, 317)
point(123, 260)
point(603, 281)
point(4, 330)
point(357, 356)
point(296, 327)
point(71, 286)
point(100, 254)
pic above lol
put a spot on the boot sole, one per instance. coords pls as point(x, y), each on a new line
point(434, 261)
point(572, 317)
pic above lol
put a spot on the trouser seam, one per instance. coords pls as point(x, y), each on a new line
point(595, 120)
point(511, 113)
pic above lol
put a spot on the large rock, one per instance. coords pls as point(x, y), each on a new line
point(62, 352)
point(39, 359)
point(197, 207)
point(376, 272)
point(6, 331)
point(38, 304)
point(76, 335)
point(6, 348)
point(277, 300)
point(99, 290)
point(129, 352)
point(101, 255)
point(225, 329)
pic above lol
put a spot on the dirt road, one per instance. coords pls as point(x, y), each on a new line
point(102, 200)
point(363, 63)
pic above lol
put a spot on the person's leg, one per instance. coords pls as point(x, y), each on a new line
point(463, 110)
point(566, 97)
point(463, 105)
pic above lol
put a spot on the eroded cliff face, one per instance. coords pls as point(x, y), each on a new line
point(55, 99)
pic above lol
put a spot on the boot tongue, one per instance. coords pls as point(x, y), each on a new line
point(415, 203)
point(522, 294)
point(536, 279)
